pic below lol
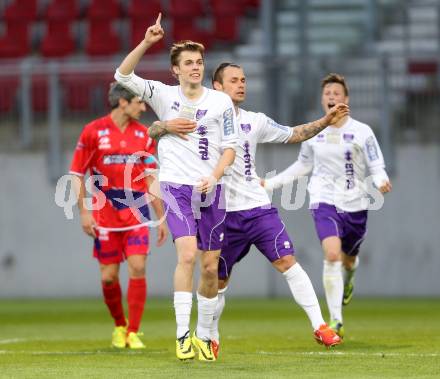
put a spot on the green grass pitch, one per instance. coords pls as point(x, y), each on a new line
point(261, 338)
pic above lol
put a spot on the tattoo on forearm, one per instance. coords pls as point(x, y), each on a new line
point(304, 132)
point(157, 129)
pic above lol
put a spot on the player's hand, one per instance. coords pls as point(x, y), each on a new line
point(180, 127)
point(262, 182)
point(336, 113)
point(386, 187)
point(206, 184)
point(162, 234)
point(155, 32)
point(88, 224)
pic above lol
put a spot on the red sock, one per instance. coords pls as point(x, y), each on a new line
point(136, 297)
point(113, 298)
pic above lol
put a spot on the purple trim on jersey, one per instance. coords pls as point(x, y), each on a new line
point(259, 226)
point(350, 227)
point(190, 213)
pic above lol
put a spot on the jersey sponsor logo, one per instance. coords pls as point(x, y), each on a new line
point(103, 132)
point(228, 123)
point(204, 148)
point(246, 128)
point(200, 114)
point(372, 150)
point(104, 140)
point(121, 159)
point(202, 130)
point(348, 137)
point(139, 134)
point(320, 138)
point(175, 106)
point(349, 170)
point(274, 124)
point(247, 161)
point(104, 143)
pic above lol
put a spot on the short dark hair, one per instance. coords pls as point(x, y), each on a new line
point(116, 92)
point(185, 45)
point(218, 72)
point(335, 78)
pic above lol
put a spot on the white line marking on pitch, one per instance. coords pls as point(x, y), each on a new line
point(13, 340)
point(342, 353)
point(98, 352)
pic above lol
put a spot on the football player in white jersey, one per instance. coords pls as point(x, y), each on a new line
point(250, 217)
point(191, 171)
point(338, 158)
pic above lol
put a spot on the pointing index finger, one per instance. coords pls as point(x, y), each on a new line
point(159, 18)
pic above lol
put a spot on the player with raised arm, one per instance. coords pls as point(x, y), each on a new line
point(191, 170)
point(338, 158)
point(116, 150)
point(250, 217)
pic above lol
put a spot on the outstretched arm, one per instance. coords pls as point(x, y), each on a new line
point(153, 34)
point(304, 132)
point(289, 175)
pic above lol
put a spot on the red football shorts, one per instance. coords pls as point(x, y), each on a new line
point(115, 247)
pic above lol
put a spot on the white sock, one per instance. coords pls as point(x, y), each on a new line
point(182, 308)
point(217, 314)
point(334, 288)
point(348, 274)
point(206, 310)
point(304, 294)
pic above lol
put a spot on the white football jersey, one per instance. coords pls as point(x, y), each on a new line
point(340, 157)
point(187, 161)
point(243, 189)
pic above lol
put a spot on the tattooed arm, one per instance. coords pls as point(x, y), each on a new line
point(304, 132)
point(178, 126)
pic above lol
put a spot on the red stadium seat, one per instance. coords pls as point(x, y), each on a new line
point(226, 18)
point(15, 43)
point(102, 39)
point(21, 10)
point(144, 10)
point(184, 29)
point(187, 8)
point(8, 93)
point(77, 92)
point(62, 10)
point(17, 16)
point(58, 41)
point(103, 9)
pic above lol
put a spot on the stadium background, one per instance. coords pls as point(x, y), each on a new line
point(57, 58)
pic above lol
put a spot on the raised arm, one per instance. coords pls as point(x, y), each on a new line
point(153, 34)
point(304, 132)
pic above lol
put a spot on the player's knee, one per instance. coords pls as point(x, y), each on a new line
point(187, 259)
point(109, 278)
point(210, 269)
point(284, 263)
point(137, 271)
point(333, 255)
